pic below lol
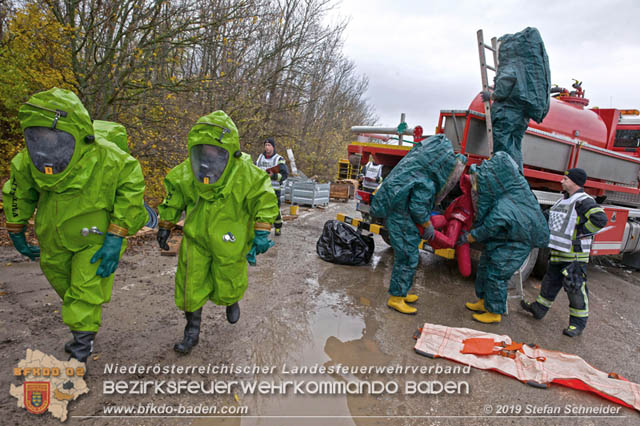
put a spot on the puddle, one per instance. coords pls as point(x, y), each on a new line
point(330, 335)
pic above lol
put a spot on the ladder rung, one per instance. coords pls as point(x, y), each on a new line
point(486, 46)
point(489, 67)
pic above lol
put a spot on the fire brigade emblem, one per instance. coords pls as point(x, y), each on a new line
point(36, 396)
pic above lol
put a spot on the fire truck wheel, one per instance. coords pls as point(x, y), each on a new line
point(529, 263)
point(527, 268)
point(542, 263)
point(385, 238)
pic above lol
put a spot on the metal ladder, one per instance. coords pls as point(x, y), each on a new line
point(482, 47)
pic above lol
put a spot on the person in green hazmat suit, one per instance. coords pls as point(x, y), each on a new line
point(112, 132)
point(405, 199)
point(229, 206)
point(521, 90)
point(89, 196)
point(509, 223)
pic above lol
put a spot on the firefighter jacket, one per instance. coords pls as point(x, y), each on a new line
point(265, 163)
point(569, 219)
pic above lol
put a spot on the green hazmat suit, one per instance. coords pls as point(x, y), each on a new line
point(101, 186)
point(220, 217)
point(407, 197)
point(508, 221)
point(112, 132)
point(522, 88)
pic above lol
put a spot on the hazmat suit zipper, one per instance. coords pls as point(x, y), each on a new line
point(225, 131)
point(186, 249)
point(58, 113)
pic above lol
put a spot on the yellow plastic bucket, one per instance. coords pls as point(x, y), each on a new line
point(293, 210)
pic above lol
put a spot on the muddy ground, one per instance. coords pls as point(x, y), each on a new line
point(301, 311)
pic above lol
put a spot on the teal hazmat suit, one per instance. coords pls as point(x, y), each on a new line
point(83, 182)
point(508, 221)
point(407, 197)
point(225, 201)
point(521, 90)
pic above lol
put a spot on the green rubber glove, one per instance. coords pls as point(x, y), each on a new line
point(110, 255)
point(20, 243)
point(251, 256)
point(261, 243)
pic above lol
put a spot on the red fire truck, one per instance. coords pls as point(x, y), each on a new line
point(604, 142)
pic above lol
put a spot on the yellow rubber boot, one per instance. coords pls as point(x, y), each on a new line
point(476, 306)
point(487, 317)
point(410, 298)
point(397, 303)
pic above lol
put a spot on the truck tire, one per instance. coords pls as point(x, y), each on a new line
point(542, 263)
point(528, 265)
point(385, 237)
point(527, 268)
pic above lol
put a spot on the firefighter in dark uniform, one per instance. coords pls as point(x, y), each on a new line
point(267, 161)
point(573, 221)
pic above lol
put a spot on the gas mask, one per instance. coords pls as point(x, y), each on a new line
point(50, 149)
point(208, 162)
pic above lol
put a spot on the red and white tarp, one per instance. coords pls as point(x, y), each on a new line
point(532, 365)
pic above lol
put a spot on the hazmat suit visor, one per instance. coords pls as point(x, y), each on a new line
point(453, 179)
point(50, 150)
point(473, 180)
point(208, 162)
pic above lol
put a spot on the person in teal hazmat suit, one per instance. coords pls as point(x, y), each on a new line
point(509, 223)
point(405, 199)
point(521, 90)
point(229, 207)
point(89, 197)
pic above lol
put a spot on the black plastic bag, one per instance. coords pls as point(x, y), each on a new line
point(340, 243)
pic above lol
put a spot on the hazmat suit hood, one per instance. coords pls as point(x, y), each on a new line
point(112, 132)
point(214, 149)
point(50, 114)
point(523, 73)
point(431, 161)
point(506, 207)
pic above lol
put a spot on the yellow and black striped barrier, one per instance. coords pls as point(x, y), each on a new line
point(448, 253)
point(360, 224)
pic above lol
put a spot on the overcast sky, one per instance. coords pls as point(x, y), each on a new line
point(421, 56)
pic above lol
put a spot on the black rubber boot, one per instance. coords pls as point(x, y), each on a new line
point(534, 309)
point(233, 313)
point(576, 326)
point(191, 332)
point(67, 346)
point(572, 331)
point(82, 345)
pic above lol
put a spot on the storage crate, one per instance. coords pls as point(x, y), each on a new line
point(310, 193)
point(340, 191)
